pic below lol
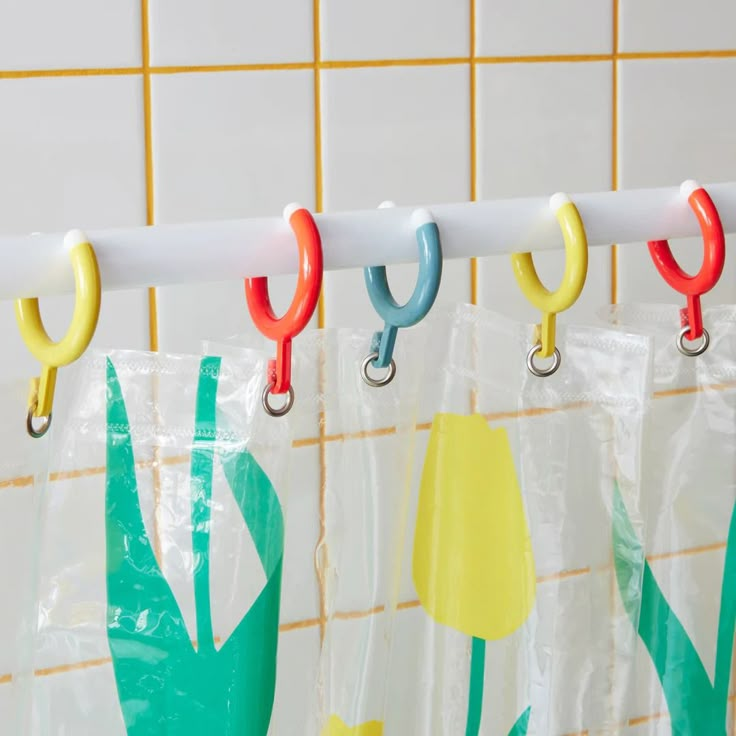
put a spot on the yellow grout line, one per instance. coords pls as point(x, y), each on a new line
point(687, 390)
point(690, 552)
point(321, 555)
point(652, 55)
point(374, 63)
point(148, 142)
point(544, 59)
point(473, 145)
point(564, 575)
point(614, 142)
point(367, 63)
point(153, 341)
point(288, 66)
point(42, 73)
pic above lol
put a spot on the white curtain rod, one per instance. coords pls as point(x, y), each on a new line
point(36, 265)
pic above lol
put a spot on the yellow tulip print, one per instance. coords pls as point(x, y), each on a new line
point(473, 566)
point(337, 727)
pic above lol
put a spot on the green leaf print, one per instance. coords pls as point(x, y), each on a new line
point(697, 706)
point(166, 685)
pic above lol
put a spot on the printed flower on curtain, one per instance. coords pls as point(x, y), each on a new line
point(698, 707)
point(166, 684)
point(473, 565)
point(337, 727)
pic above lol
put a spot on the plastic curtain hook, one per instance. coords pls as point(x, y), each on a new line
point(282, 330)
point(53, 355)
point(693, 287)
point(415, 310)
point(573, 280)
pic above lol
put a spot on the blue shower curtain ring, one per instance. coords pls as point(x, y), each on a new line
point(415, 310)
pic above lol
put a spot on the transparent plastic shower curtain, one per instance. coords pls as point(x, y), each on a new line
point(351, 465)
point(23, 471)
point(162, 550)
point(687, 553)
point(514, 625)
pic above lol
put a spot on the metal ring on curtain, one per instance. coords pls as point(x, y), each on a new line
point(52, 355)
point(693, 287)
point(282, 330)
point(573, 280)
point(418, 306)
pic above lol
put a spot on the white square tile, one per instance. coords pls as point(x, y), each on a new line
point(544, 128)
point(381, 129)
point(385, 29)
point(675, 124)
point(677, 25)
point(77, 34)
point(533, 27)
point(187, 32)
point(228, 145)
point(75, 147)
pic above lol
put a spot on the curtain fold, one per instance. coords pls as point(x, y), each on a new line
point(688, 551)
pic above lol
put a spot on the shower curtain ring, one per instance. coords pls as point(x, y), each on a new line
point(573, 280)
point(693, 287)
point(53, 355)
point(415, 310)
point(282, 330)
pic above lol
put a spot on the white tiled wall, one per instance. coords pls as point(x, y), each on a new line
point(575, 95)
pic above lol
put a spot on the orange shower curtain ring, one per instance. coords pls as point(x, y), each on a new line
point(53, 355)
point(283, 329)
point(552, 302)
point(693, 287)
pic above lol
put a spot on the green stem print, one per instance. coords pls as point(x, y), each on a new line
point(166, 684)
point(475, 694)
point(697, 706)
point(475, 697)
point(522, 725)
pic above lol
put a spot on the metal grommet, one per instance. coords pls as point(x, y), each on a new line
point(285, 409)
point(43, 427)
point(542, 372)
point(692, 352)
point(377, 382)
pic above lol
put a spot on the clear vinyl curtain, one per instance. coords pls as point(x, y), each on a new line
point(357, 485)
point(23, 472)
point(468, 551)
point(516, 628)
point(161, 554)
point(686, 555)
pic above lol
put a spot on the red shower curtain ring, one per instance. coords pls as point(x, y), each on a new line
point(693, 287)
point(282, 330)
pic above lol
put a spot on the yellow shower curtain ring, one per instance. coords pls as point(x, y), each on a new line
point(53, 355)
point(573, 280)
